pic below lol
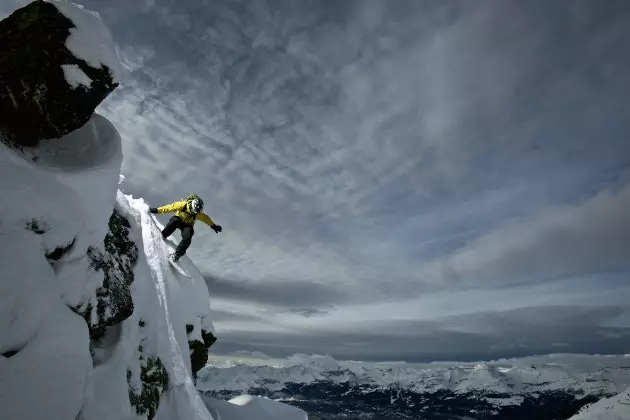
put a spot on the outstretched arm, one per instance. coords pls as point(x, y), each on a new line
point(169, 208)
point(208, 221)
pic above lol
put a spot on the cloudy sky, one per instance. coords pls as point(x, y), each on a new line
point(416, 180)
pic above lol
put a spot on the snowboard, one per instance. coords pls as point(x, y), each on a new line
point(171, 246)
point(178, 268)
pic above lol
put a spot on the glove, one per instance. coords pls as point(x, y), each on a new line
point(153, 210)
point(216, 228)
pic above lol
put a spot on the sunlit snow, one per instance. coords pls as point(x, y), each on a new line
point(91, 40)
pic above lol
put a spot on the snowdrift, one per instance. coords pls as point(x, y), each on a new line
point(94, 321)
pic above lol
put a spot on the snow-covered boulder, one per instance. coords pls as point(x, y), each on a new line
point(57, 64)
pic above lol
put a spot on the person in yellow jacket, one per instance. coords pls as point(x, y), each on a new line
point(187, 212)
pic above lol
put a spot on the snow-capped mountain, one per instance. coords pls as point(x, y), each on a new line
point(554, 386)
point(614, 408)
point(95, 323)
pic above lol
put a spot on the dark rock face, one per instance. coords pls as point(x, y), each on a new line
point(33, 87)
point(114, 301)
point(198, 356)
point(199, 350)
point(208, 338)
point(147, 385)
point(154, 381)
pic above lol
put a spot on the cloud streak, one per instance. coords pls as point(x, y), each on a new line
point(593, 238)
point(278, 293)
point(486, 335)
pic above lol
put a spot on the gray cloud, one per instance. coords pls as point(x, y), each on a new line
point(362, 152)
point(308, 312)
point(483, 336)
point(593, 237)
point(299, 296)
point(218, 316)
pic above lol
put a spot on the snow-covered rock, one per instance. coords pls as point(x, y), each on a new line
point(57, 64)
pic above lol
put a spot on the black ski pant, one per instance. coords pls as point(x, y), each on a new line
point(186, 230)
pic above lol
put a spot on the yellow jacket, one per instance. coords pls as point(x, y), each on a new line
point(183, 212)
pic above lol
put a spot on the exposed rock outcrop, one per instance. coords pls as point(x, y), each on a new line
point(198, 349)
point(116, 262)
point(147, 385)
point(41, 80)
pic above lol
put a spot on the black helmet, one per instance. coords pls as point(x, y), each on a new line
point(196, 205)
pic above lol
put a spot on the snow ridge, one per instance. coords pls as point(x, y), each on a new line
point(513, 378)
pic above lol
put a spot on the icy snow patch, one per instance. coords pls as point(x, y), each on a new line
point(90, 40)
point(247, 407)
point(75, 76)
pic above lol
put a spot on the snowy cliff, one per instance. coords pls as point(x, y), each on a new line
point(94, 321)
